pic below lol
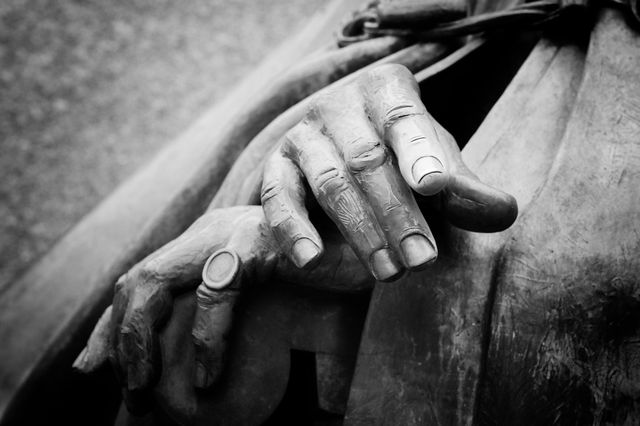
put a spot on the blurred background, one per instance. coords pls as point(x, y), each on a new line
point(90, 90)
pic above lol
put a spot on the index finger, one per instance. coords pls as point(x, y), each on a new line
point(393, 99)
point(376, 174)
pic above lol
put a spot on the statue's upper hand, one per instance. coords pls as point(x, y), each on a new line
point(241, 251)
point(361, 149)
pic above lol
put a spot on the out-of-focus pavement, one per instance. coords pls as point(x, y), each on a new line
point(91, 89)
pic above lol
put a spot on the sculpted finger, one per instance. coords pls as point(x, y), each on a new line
point(144, 296)
point(377, 175)
point(149, 307)
point(341, 199)
point(283, 197)
point(250, 256)
point(472, 205)
point(119, 307)
point(96, 353)
point(216, 298)
point(467, 202)
point(392, 96)
point(428, 156)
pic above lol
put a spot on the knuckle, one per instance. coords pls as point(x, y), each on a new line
point(293, 137)
point(135, 340)
point(279, 220)
point(130, 280)
point(320, 102)
point(148, 305)
point(364, 155)
point(248, 226)
point(417, 140)
point(325, 102)
point(332, 181)
point(200, 336)
point(397, 112)
point(205, 298)
point(393, 69)
point(148, 271)
point(270, 189)
point(276, 205)
point(132, 324)
point(389, 74)
point(336, 104)
point(121, 284)
point(207, 338)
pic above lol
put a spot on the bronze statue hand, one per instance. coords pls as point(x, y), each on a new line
point(341, 149)
point(241, 250)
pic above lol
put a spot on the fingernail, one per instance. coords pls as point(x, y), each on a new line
point(81, 360)
point(304, 252)
point(383, 266)
point(417, 251)
point(429, 175)
point(201, 376)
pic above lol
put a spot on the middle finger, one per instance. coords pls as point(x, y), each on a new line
point(341, 199)
point(376, 172)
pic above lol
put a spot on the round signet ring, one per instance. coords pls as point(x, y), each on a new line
point(221, 269)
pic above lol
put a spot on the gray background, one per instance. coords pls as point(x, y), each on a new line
point(90, 89)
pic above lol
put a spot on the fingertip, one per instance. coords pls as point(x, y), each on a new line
point(136, 356)
point(80, 363)
point(506, 212)
point(384, 266)
point(500, 211)
point(429, 175)
point(418, 251)
point(95, 353)
point(475, 206)
point(305, 253)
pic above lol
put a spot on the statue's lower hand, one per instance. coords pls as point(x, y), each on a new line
point(342, 150)
point(241, 250)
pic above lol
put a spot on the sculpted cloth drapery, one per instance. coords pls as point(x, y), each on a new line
point(533, 325)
